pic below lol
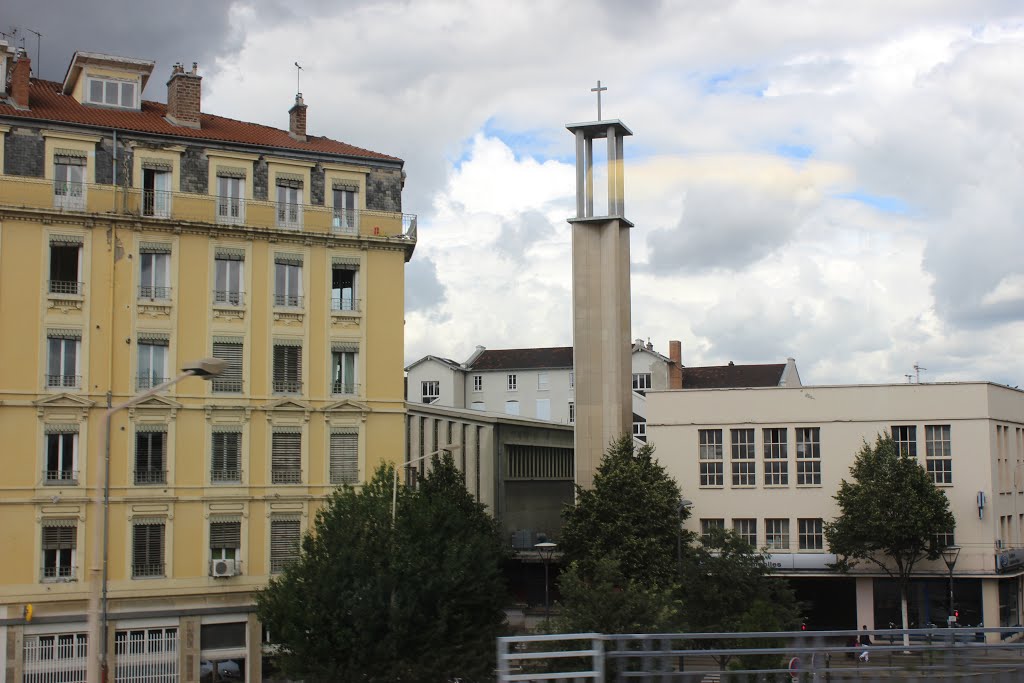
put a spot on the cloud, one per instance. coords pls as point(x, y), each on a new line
point(423, 290)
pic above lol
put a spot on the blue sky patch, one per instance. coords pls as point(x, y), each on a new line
point(879, 202)
point(794, 151)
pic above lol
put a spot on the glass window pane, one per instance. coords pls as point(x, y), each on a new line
point(127, 94)
point(96, 91)
point(110, 93)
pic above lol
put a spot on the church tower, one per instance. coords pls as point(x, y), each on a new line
point(600, 299)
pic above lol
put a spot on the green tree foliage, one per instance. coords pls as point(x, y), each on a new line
point(890, 514)
point(630, 515)
point(374, 600)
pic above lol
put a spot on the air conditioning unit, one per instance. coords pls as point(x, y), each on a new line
point(222, 568)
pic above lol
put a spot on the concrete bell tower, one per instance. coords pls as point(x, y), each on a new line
point(600, 299)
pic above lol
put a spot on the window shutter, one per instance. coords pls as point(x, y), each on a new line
point(344, 457)
point(284, 541)
point(226, 534)
point(288, 259)
point(67, 240)
point(154, 248)
point(60, 534)
point(225, 455)
point(229, 254)
point(286, 457)
point(230, 350)
point(148, 548)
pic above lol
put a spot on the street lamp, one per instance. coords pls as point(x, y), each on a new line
point(546, 550)
point(207, 368)
point(949, 555)
point(408, 465)
point(684, 504)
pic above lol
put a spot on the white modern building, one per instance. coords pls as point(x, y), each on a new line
point(768, 461)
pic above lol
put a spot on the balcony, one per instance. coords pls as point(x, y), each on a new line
point(64, 381)
point(228, 298)
point(344, 388)
point(144, 382)
point(226, 386)
point(286, 476)
point(149, 476)
point(345, 304)
point(60, 477)
point(226, 475)
point(288, 301)
point(287, 386)
point(38, 193)
point(59, 574)
point(65, 287)
point(154, 293)
point(147, 570)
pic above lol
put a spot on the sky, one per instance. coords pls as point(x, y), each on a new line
point(838, 182)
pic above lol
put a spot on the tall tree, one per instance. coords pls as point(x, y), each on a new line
point(891, 514)
point(374, 598)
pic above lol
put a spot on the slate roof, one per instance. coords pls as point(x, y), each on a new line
point(733, 376)
point(46, 103)
point(524, 359)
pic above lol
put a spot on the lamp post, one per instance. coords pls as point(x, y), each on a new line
point(207, 368)
point(684, 504)
point(949, 555)
point(546, 550)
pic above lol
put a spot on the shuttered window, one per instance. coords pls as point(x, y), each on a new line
point(230, 380)
point(284, 542)
point(150, 457)
point(344, 457)
point(148, 549)
point(225, 463)
point(286, 458)
point(59, 541)
point(225, 534)
point(287, 368)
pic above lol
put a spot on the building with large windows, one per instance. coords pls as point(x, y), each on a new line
point(136, 237)
point(767, 462)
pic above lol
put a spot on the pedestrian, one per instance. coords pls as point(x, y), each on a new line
point(865, 641)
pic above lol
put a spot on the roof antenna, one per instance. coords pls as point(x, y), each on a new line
point(298, 71)
point(917, 372)
point(39, 65)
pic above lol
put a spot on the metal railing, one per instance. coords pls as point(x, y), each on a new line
point(226, 475)
point(344, 388)
point(67, 381)
point(143, 382)
point(223, 297)
point(156, 203)
point(55, 658)
point(154, 292)
point(231, 210)
point(151, 658)
point(147, 569)
point(59, 573)
point(288, 300)
point(344, 304)
point(345, 221)
point(287, 386)
point(226, 386)
point(150, 476)
point(60, 477)
point(289, 215)
point(285, 476)
point(68, 195)
point(64, 287)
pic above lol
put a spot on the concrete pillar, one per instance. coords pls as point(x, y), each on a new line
point(865, 602)
point(14, 649)
point(188, 649)
point(581, 176)
point(990, 607)
point(254, 650)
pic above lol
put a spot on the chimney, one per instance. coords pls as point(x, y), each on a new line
point(297, 119)
point(20, 80)
point(675, 368)
point(183, 96)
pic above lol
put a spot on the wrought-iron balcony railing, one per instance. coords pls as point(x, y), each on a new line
point(64, 572)
point(226, 297)
point(65, 287)
point(156, 203)
point(288, 300)
point(283, 475)
point(69, 195)
point(345, 221)
point(287, 386)
point(226, 386)
point(60, 477)
point(344, 388)
point(147, 569)
point(289, 215)
point(143, 382)
point(231, 210)
point(150, 476)
point(65, 381)
point(344, 304)
point(154, 292)
point(222, 475)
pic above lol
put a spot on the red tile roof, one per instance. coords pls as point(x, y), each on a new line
point(732, 376)
point(524, 359)
point(48, 104)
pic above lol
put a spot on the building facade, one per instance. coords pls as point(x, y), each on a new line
point(136, 237)
point(767, 462)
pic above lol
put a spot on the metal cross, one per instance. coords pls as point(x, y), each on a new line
point(298, 70)
point(598, 90)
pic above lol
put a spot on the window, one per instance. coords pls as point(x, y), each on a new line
point(61, 455)
point(152, 361)
point(111, 92)
point(225, 538)
point(289, 206)
point(63, 349)
point(60, 543)
point(345, 213)
point(228, 280)
point(746, 529)
point(230, 350)
point(478, 382)
point(543, 408)
point(905, 437)
point(808, 456)
point(230, 199)
point(938, 453)
point(344, 457)
point(150, 456)
point(776, 534)
point(430, 391)
point(810, 534)
point(639, 429)
point(776, 463)
point(145, 644)
point(572, 417)
point(478, 405)
point(63, 646)
point(287, 377)
point(343, 287)
point(572, 379)
point(65, 265)
point(288, 281)
point(641, 381)
point(156, 190)
point(226, 457)
point(706, 525)
point(542, 381)
point(285, 534)
point(512, 382)
point(511, 407)
point(343, 370)
point(744, 461)
point(944, 540)
point(710, 454)
point(154, 272)
point(69, 181)
point(147, 548)
point(286, 457)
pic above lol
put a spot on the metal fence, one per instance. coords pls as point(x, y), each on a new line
point(146, 655)
point(818, 656)
point(55, 658)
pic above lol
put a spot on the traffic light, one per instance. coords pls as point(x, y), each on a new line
point(956, 615)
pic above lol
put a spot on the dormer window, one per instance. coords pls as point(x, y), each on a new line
point(110, 92)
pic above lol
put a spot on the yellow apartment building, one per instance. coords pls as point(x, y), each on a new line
point(136, 237)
